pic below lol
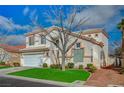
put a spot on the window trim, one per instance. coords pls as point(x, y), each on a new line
point(31, 40)
point(41, 39)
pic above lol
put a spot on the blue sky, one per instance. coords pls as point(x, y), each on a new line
point(16, 20)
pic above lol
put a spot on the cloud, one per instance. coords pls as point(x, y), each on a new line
point(98, 15)
point(26, 11)
point(34, 16)
point(95, 15)
point(14, 40)
point(7, 24)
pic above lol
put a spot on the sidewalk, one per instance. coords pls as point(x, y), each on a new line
point(12, 69)
point(106, 77)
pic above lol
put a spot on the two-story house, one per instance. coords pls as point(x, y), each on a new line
point(91, 47)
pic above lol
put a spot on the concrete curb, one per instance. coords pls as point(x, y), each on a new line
point(88, 78)
point(13, 69)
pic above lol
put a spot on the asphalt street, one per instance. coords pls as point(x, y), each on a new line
point(12, 82)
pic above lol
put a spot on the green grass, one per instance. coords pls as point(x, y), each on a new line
point(2, 67)
point(54, 74)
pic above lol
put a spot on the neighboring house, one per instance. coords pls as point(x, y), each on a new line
point(10, 54)
point(91, 47)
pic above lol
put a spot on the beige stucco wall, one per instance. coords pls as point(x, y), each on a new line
point(84, 44)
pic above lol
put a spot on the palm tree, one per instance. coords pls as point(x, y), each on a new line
point(121, 27)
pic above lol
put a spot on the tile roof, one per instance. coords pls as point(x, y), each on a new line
point(9, 48)
point(95, 30)
point(88, 31)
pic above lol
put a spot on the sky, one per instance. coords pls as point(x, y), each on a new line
point(15, 21)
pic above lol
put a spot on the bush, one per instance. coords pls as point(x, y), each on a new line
point(45, 65)
point(16, 64)
point(121, 71)
point(55, 66)
point(89, 65)
point(2, 63)
point(66, 67)
point(92, 69)
point(70, 65)
point(80, 66)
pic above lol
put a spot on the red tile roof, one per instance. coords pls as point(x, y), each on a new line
point(10, 48)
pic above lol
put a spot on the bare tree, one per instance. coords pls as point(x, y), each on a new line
point(3, 55)
point(66, 21)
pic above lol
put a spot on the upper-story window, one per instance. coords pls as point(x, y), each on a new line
point(31, 40)
point(43, 40)
point(96, 35)
point(89, 35)
point(78, 45)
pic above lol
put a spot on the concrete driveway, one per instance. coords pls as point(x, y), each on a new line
point(11, 81)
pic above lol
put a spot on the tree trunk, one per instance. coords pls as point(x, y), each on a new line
point(63, 61)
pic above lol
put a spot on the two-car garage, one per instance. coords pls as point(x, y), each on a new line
point(32, 60)
point(33, 57)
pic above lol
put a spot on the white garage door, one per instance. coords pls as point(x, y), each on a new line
point(32, 60)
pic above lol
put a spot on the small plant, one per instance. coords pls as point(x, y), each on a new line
point(55, 66)
point(122, 71)
point(45, 65)
point(92, 69)
point(89, 65)
point(80, 66)
point(70, 65)
point(66, 67)
point(16, 64)
point(2, 63)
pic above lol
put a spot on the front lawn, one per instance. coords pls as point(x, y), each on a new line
point(2, 67)
point(54, 74)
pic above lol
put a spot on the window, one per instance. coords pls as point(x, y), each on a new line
point(91, 55)
point(47, 54)
point(43, 40)
point(89, 35)
point(101, 55)
point(78, 45)
point(78, 55)
point(31, 40)
point(96, 35)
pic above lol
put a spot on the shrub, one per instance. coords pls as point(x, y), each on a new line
point(70, 65)
point(2, 63)
point(16, 64)
point(80, 66)
point(45, 65)
point(55, 66)
point(89, 65)
point(92, 69)
point(66, 67)
point(121, 71)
